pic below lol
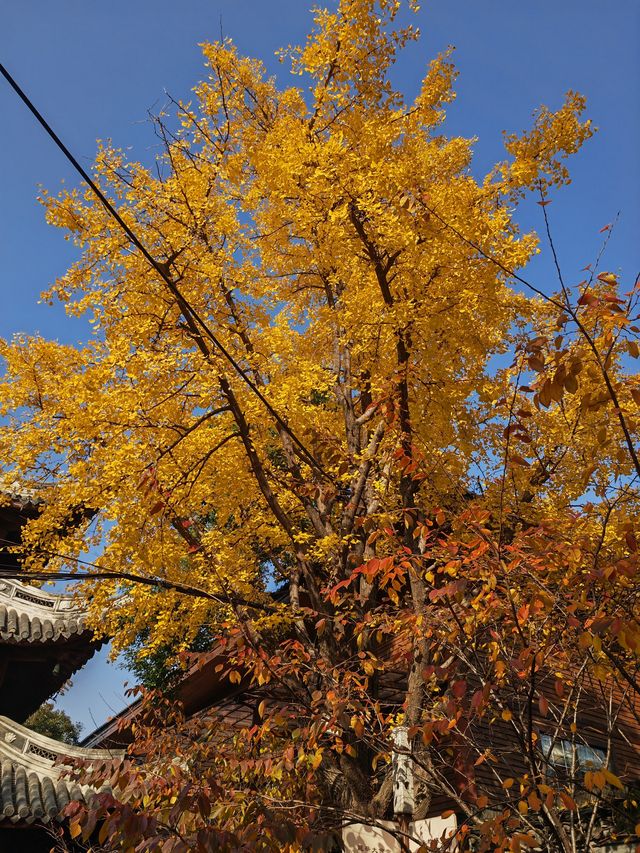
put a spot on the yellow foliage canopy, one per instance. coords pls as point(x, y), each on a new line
point(315, 237)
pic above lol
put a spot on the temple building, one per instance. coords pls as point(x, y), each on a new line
point(43, 642)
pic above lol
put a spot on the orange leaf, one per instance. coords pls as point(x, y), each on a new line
point(612, 779)
point(534, 801)
point(567, 801)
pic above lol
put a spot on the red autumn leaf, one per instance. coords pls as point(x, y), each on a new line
point(587, 298)
point(459, 689)
point(477, 699)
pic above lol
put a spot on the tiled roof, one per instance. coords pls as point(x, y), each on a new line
point(31, 787)
point(28, 614)
point(18, 494)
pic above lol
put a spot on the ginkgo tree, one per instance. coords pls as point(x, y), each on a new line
point(325, 415)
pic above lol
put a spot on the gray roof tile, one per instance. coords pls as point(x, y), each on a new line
point(28, 614)
point(31, 787)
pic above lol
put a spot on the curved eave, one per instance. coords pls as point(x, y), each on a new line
point(31, 767)
point(28, 614)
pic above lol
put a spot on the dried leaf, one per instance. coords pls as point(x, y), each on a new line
point(571, 383)
point(536, 363)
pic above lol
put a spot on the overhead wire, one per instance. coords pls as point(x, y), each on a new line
point(192, 317)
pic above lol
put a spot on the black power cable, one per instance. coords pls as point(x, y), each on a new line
point(191, 316)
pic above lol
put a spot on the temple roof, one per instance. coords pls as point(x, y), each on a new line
point(28, 614)
point(31, 787)
point(43, 641)
point(19, 495)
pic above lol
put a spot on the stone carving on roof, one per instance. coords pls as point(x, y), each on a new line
point(28, 614)
point(31, 783)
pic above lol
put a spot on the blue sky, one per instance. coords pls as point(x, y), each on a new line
point(95, 68)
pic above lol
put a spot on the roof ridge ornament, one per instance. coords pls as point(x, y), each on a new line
point(16, 591)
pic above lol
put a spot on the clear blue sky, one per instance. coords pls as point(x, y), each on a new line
point(95, 68)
